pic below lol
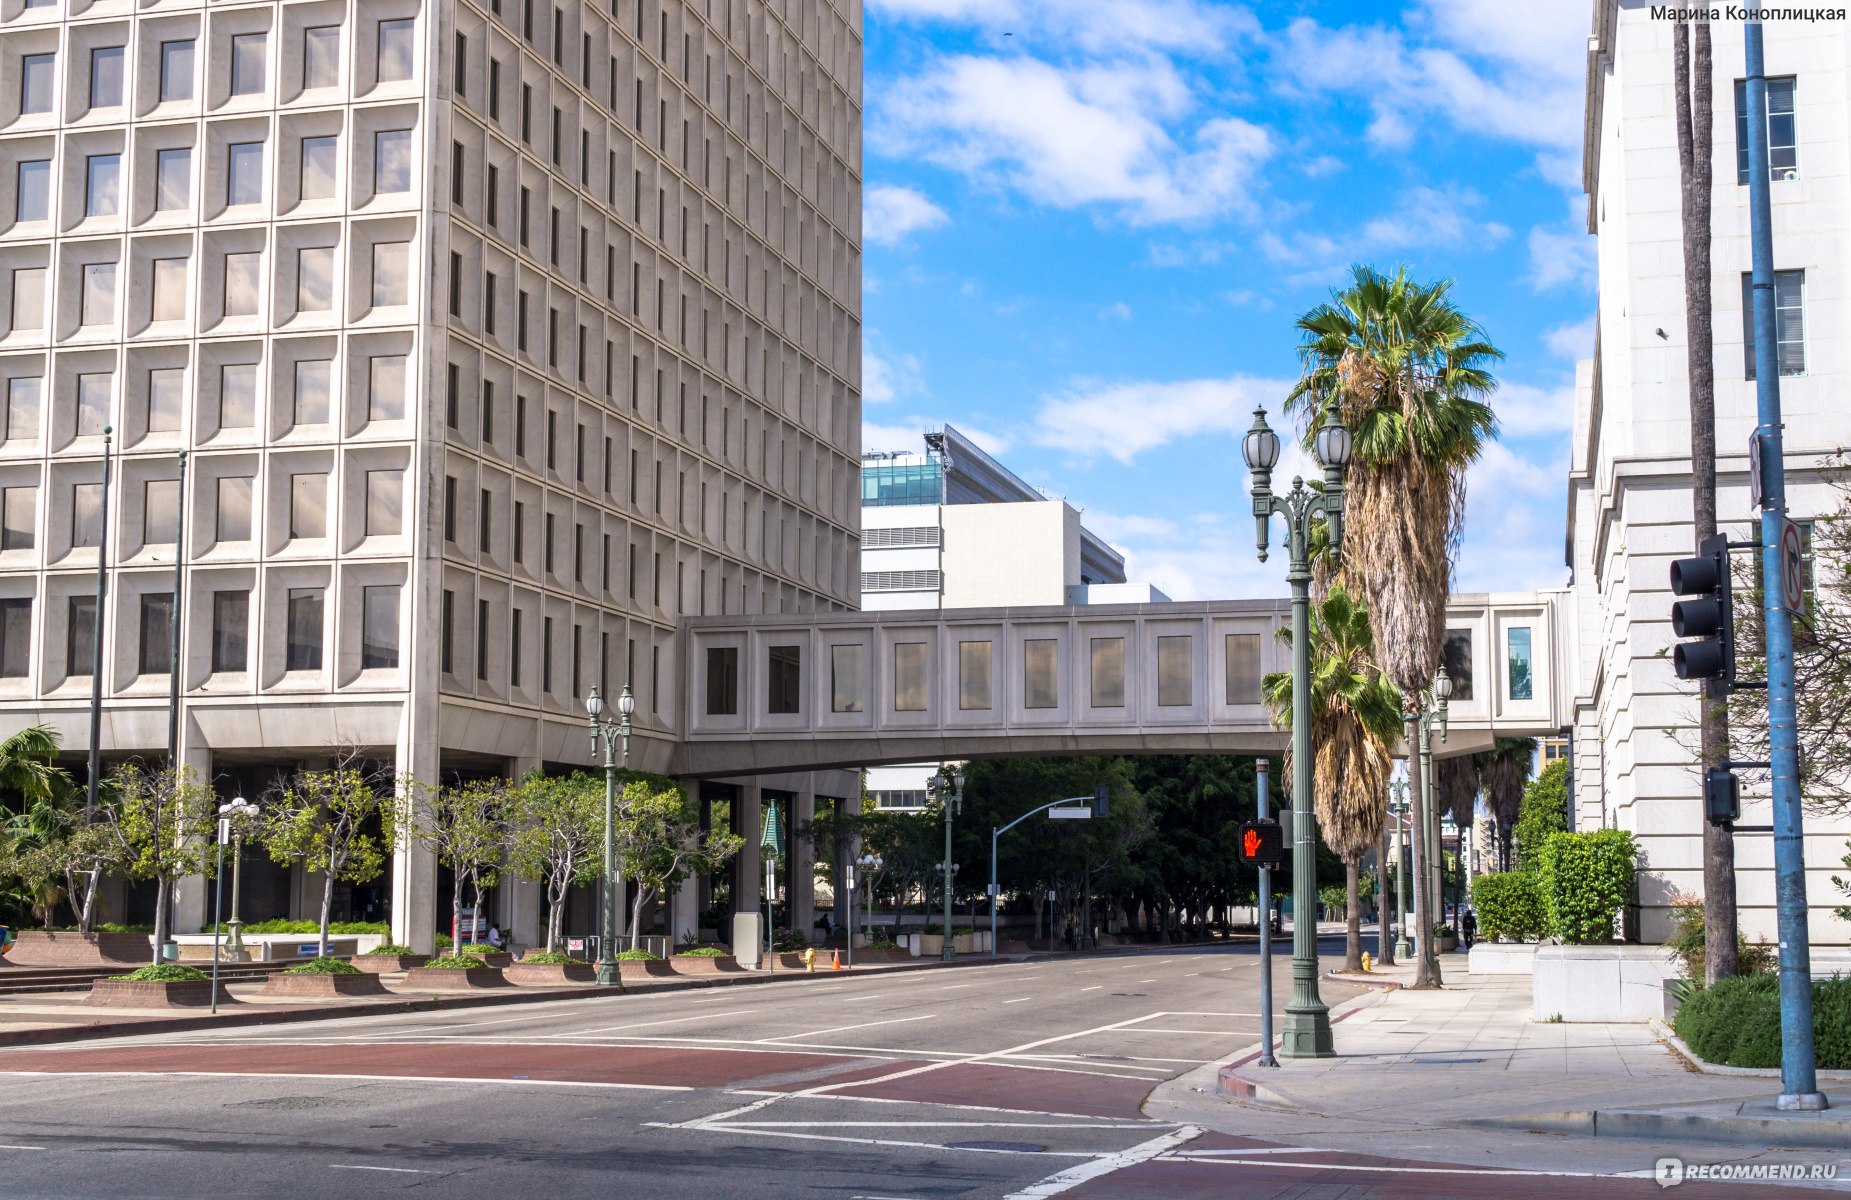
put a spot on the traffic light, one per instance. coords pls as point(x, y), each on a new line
point(1722, 796)
point(1102, 799)
point(1262, 844)
point(1708, 616)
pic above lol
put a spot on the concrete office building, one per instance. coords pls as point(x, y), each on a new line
point(500, 335)
point(1629, 487)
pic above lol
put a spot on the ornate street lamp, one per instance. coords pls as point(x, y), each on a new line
point(1306, 1028)
point(870, 865)
point(1428, 715)
point(1398, 809)
point(947, 786)
point(608, 735)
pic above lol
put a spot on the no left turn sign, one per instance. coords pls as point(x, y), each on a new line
point(1792, 579)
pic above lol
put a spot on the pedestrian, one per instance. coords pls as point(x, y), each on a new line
point(1471, 928)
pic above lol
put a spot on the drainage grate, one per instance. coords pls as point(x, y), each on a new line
point(1005, 1147)
point(1445, 1062)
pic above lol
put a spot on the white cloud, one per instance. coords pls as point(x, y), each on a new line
point(1205, 556)
point(1525, 410)
point(1073, 137)
point(1123, 420)
point(890, 214)
point(888, 375)
point(1199, 27)
point(908, 435)
point(1561, 256)
point(1119, 311)
point(1516, 519)
point(1573, 341)
point(1422, 217)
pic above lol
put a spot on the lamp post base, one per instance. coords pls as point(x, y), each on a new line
point(608, 974)
point(1801, 1102)
point(1306, 1033)
point(1403, 951)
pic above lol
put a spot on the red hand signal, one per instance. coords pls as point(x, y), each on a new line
point(1250, 843)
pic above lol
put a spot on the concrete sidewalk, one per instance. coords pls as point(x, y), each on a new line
point(1464, 1072)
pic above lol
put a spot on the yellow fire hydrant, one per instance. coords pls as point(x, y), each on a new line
point(809, 958)
point(1368, 962)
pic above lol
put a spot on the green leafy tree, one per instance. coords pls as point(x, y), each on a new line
point(337, 822)
point(660, 841)
point(38, 806)
point(162, 820)
point(556, 835)
point(1544, 811)
point(466, 826)
point(1586, 878)
point(1409, 373)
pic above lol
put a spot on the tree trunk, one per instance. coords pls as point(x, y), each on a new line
point(1696, 179)
point(636, 913)
point(555, 910)
point(1353, 934)
point(1427, 959)
point(327, 903)
point(456, 915)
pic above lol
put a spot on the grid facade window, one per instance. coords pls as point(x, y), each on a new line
point(1789, 323)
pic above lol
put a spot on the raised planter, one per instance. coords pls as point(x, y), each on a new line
point(452, 979)
point(658, 968)
point(1501, 958)
point(551, 974)
point(494, 958)
point(388, 964)
point(322, 987)
point(701, 964)
point(1624, 984)
point(154, 993)
point(38, 948)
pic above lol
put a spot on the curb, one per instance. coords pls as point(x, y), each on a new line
point(1231, 1083)
point(1357, 980)
point(1796, 1129)
point(1692, 1062)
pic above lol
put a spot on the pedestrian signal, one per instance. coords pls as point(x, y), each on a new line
point(1262, 844)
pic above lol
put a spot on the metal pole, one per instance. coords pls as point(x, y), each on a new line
point(96, 642)
point(771, 900)
point(1307, 1020)
point(173, 650)
point(849, 892)
point(1384, 945)
point(993, 833)
point(946, 951)
point(1799, 1086)
point(1417, 828)
point(1402, 949)
point(607, 963)
point(235, 943)
point(1266, 933)
point(218, 914)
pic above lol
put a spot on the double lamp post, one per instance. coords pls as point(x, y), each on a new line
point(947, 787)
point(609, 735)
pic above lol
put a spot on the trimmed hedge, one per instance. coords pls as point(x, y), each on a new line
point(1510, 904)
point(460, 962)
point(634, 956)
point(335, 928)
point(1586, 878)
point(390, 948)
point(323, 966)
point(164, 973)
point(1736, 1022)
point(547, 958)
point(702, 952)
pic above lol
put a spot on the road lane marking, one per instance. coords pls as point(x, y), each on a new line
point(1147, 981)
point(1093, 988)
point(1074, 1176)
point(911, 1145)
point(646, 1024)
point(520, 1081)
point(394, 1170)
point(845, 1028)
point(934, 1125)
point(1495, 1172)
point(21, 1147)
point(1022, 1000)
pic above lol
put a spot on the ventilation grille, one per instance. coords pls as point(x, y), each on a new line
point(881, 539)
point(899, 581)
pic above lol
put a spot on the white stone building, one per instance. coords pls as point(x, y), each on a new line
point(500, 334)
point(1629, 488)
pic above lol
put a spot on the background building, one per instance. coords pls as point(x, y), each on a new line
point(499, 337)
point(1635, 741)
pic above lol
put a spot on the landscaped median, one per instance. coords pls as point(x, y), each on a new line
point(166, 985)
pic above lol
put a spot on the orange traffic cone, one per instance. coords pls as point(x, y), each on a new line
point(835, 960)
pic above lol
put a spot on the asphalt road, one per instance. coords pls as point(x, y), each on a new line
point(1012, 1080)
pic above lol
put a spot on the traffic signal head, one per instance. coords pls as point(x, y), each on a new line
point(1102, 799)
point(1722, 797)
point(1262, 844)
point(1707, 616)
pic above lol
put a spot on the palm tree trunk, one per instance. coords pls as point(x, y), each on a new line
point(1426, 958)
point(1385, 904)
point(1353, 933)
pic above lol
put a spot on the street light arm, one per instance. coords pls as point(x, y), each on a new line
point(1050, 804)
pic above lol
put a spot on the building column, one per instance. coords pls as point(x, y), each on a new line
point(523, 901)
point(414, 868)
point(684, 904)
point(748, 918)
point(190, 910)
point(803, 862)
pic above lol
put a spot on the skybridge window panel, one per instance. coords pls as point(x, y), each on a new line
point(1518, 653)
point(1175, 671)
point(1108, 672)
point(784, 680)
point(847, 678)
point(909, 677)
point(722, 681)
point(1456, 660)
point(1041, 673)
point(1242, 652)
point(974, 660)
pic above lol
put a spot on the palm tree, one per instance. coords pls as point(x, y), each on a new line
point(1355, 717)
point(26, 769)
point(1407, 370)
point(1505, 771)
point(1695, 176)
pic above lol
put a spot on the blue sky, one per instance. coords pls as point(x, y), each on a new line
point(1089, 226)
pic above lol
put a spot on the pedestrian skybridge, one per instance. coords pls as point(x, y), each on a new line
point(790, 692)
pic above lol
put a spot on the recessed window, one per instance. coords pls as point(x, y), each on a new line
point(37, 74)
point(160, 512)
point(319, 156)
point(18, 517)
point(231, 622)
point(314, 390)
point(1789, 322)
point(243, 283)
point(385, 503)
point(173, 178)
point(1175, 672)
point(15, 637)
point(302, 651)
point(106, 77)
point(234, 509)
point(847, 678)
point(308, 505)
point(238, 396)
point(244, 173)
point(80, 636)
point(247, 63)
point(1456, 660)
point(321, 56)
point(909, 677)
point(395, 50)
point(379, 628)
point(392, 161)
point(1243, 668)
point(386, 387)
point(315, 279)
point(1041, 673)
point(1108, 662)
point(722, 681)
point(86, 515)
point(156, 655)
point(93, 389)
point(391, 274)
point(1783, 155)
point(166, 396)
point(22, 407)
point(1517, 643)
point(176, 70)
point(784, 679)
point(28, 298)
point(32, 199)
point(974, 675)
point(98, 303)
point(102, 185)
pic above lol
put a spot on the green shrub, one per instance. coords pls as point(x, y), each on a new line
point(547, 958)
point(456, 962)
point(882, 943)
point(1737, 1022)
point(702, 952)
point(322, 966)
point(443, 941)
point(335, 928)
point(1510, 904)
point(1542, 811)
point(98, 927)
point(1586, 878)
point(1687, 943)
point(635, 956)
point(391, 948)
point(164, 973)
point(1831, 1022)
